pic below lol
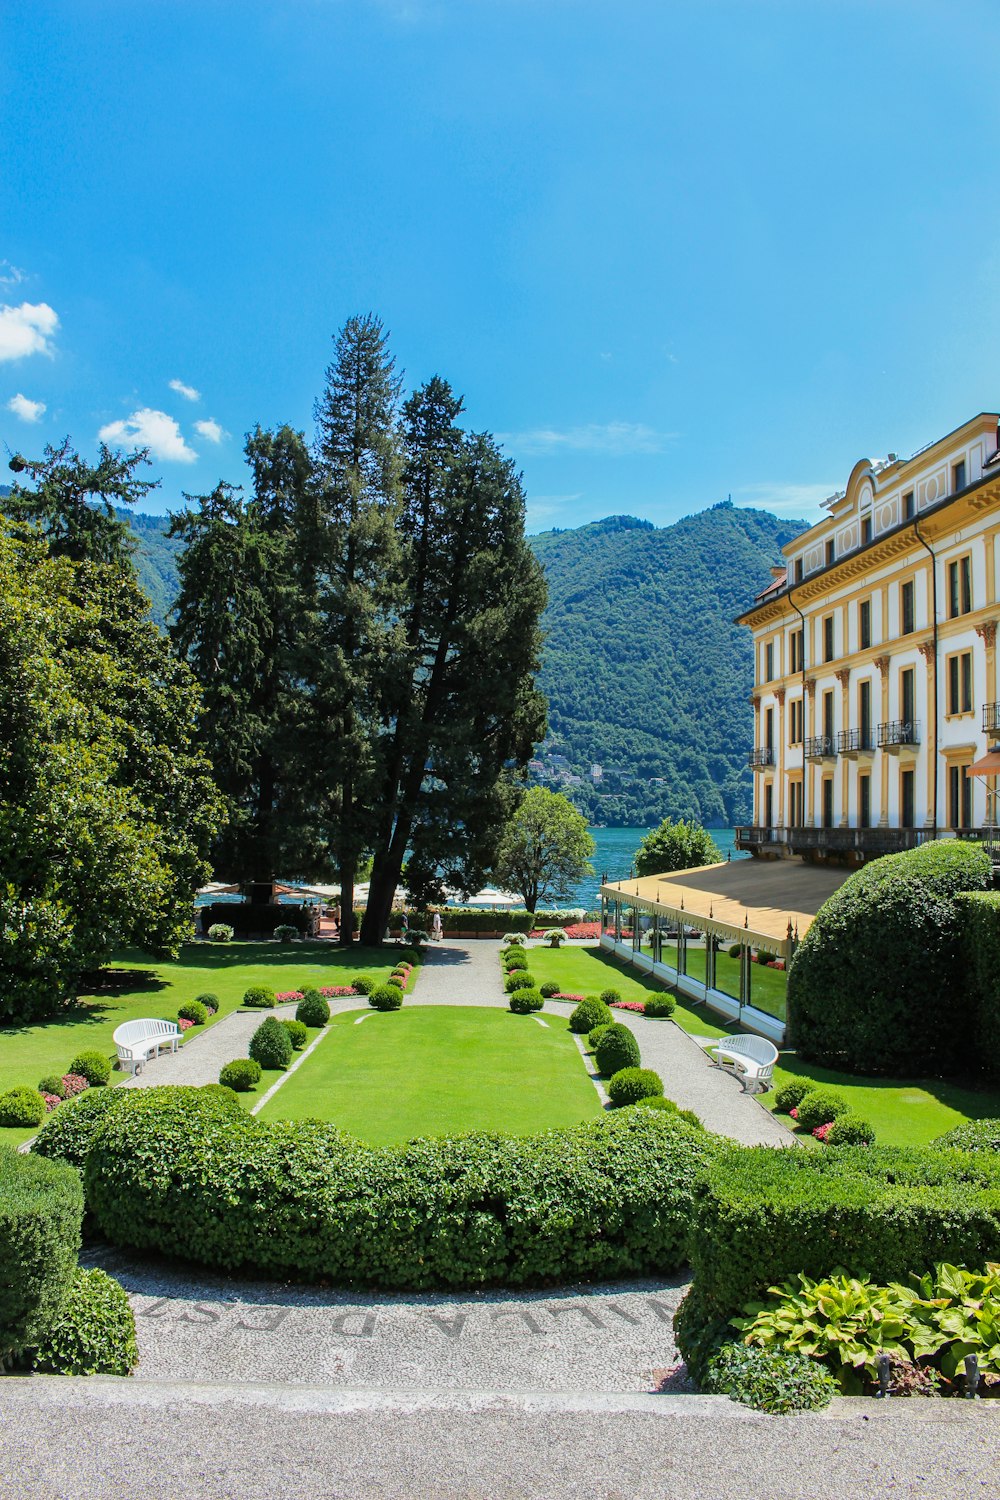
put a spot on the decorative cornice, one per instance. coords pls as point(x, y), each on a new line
point(987, 631)
point(843, 676)
point(883, 663)
point(779, 693)
point(926, 649)
point(811, 687)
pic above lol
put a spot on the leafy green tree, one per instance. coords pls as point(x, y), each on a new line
point(545, 849)
point(676, 846)
point(74, 503)
point(460, 710)
point(106, 806)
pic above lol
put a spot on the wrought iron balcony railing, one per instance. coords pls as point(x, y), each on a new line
point(764, 756)
point(866, 841)
point(991, 718)
point(855, 741)
point(819, 747)
point(898, 732)
point(755, 837)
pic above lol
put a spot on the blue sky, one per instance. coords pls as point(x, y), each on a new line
point(668, 251)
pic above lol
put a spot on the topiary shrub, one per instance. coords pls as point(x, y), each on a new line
point(209, 1001)
point(604, 1200)
point(657, 1101)
point(769, 1379)
point(241, 1075)
point(286, 934)
point(819, 1107)
point(258, 997)
point(975, 1135)
point(193, 1011)
point(872, 986)
point(270, 1045)
point(93, 1066)
point(67, 1134)
point(312, 1009)
point(610, 997)
point(298, 1033)
point(659, 1007)
point(93, 1332)
point(362, 985)
point(21, 1106)
point(596, 1033)
point(396, 982)
point(518, 979)
point(41, 1210)
point(52, 1084)
point(629, 1085)
point(407, 955)
point(617, 1049)
point(525, 1002)
point(515, 960)
point(548, 989)
point(790, 1095)
point(587, 1015)
point(850, 1130)
point(220, 932)
point(532, 994)
point(386, 997)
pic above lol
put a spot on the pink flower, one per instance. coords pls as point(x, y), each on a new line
point(288, 995)
point(73, 1083)
point(51, 1100)
point(822, 1131)
point(567, 996)
point(637, 1005)
point(794, 1112)
point(185, 1025)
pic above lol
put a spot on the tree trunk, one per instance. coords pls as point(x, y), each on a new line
point(385, 878)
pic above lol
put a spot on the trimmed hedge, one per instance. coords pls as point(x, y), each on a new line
point(209, 1001)
point(94, 1332)
point(386, 997)
point(594, 1036)
point(631, 1085)
point(974, 1135)
point(241, 1075)
point(93, 1066)
point(851, 1130)
point(21, 1106)
point(790, 1095)
point(270, 1045)
point(617, 1049)
point(873, 985)
point(979, 971)
point(258, 997)
point(525, 1002)
point(819, 1107)
point(194, 1011)
point(66, 1134)
point(518, 979)
point(659, 1007)
point(312, 1009)
point(169, 1172)
point(879, 1210)
point(548, 989)
point(588, 1014)
point(298, 1033)
point(41, 1210)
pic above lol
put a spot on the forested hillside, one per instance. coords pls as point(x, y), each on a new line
point(647, 677)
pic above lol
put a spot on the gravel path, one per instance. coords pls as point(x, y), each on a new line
point(460, 973)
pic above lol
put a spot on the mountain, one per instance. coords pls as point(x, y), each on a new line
point(647, 677)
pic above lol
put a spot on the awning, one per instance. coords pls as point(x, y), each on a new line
point(986, 765)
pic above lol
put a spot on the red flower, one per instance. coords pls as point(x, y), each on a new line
point(794, 1112)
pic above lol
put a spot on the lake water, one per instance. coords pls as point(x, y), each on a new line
point(615, 854)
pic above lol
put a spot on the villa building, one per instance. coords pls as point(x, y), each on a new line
point(876, 699)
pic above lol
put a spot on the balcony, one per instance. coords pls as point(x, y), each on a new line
point(897, 733)
point(820, 747)
point(991, 718)
point(867, 842)
point(855, 742)
point(762, 757)
point(761, 838)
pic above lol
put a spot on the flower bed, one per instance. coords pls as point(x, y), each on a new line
point(637, 1005)
point(566, 996)
point(328, 991)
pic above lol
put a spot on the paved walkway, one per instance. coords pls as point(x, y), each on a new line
point(456, 972)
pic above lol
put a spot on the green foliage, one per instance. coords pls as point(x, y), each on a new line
point(850, 1130)
point(193, 1011)
point(513, 959)
point(525, 1002)
point(221, 1091)
point(790, 1095)
point(221, 932)
point(548, 989)
point(53, 1084)
point(555, 936)
point(93, 1066)
point(285, 933)
point(209, 1001)
point(270, 1045)
point(819, 1107)
point(518, 979)
point(93, 1332)
point(979, 965)
point(545, 848)
point(106, 809)
point(631, 1085)
point(608, 1199)
point(258, 997)
point(21, 1106)
point(676, 846)
point(41, 1210)
point(610, 997)
point(766, 1215)
point(871, 987)
point(385, 997)
point(974, 1135)
point(312, 1009)
point(362, 985)
point(595, 1034)
point(67, 1133)
point(298, 1033)
point(241, 1075)
point(769, 1379)
point(396, 982)
point(617, 1049)
point(587, 1015)
point(659, 1007)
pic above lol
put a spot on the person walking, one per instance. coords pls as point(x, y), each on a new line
point(436, 927)
point(404, 927)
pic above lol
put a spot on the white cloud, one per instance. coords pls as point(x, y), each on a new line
point(153, 430)
point(800, 498)
point(187, 391)
point(28, 411)
point(615, 438)
point(210, 430)
point(10, 275)
point(27, 329)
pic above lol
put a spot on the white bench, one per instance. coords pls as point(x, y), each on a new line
point(137, 1041)
point(752, 1058)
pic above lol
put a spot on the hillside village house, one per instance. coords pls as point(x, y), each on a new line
point(876, 713)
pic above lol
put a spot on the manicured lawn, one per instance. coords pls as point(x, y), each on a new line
point(904, 1112)
point(439, 1070)
point(140, 986)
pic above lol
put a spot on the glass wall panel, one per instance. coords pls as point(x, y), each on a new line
point(696, 957)
point(768, 985)
point(727, 968)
